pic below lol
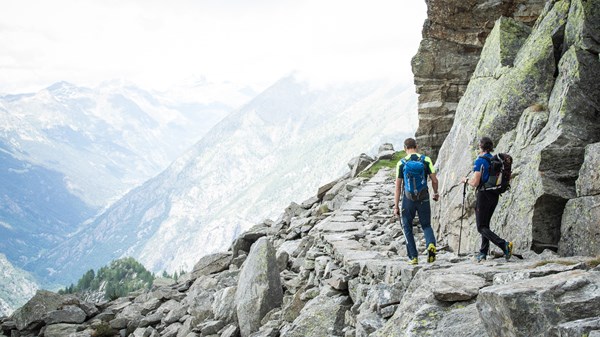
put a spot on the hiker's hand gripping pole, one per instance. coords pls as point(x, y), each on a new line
point(466, 181)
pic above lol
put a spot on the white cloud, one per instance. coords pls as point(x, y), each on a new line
point(157, 43)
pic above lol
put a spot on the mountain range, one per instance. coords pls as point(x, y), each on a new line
point(67, 152)
point(260, 158)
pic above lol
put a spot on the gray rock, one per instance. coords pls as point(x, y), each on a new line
point(90, 309)
point(200, 297)
point(386, 155)
point(583, 28)
point(458, 287)
point(291, 310)
point(420, 312)
point(61, 330)
point(578, 328)
point(119, 323)
point(33, 312)
point(211, 327)
point(322, 316)
point(283, 258)
point(211, 264)
point(307, 204)
point(152, 319)
point(223, 306)
point(338, 280)
point(68, 314)
point(325, 188)
point(334, 191)
point(259, 287)
point(533, 307)
point(580, 233)
point(163, 282)
point(230, 331)
point(190, 323)
point(461, 321)
point(106, 316)
point(588, 183)
point(164, 293)
point(171, 330)
point(150, 305)
point(176, 314)
point(358, 164)
point(386, 147)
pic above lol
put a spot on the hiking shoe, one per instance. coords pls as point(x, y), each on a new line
point(508, 250)
point(431, 253)
point(414, 261)
point(481, 256)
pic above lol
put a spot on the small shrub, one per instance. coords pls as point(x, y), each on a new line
point(537, 107)
point(324, 209)
point(103, 330)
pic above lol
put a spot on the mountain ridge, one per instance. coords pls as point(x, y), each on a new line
point(249, 147)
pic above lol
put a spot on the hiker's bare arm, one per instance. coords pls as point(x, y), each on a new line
point(434, 184)
point(475, 179)
point(397, 194)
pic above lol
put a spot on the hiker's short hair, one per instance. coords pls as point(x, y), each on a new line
point(410, 143)
point(486, 144)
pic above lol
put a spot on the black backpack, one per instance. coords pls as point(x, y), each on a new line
point(500, 173)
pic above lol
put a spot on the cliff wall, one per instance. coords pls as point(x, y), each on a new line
point(453, 37)
point(535, 92)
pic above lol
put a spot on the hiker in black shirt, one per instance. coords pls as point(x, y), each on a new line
point(486, 202)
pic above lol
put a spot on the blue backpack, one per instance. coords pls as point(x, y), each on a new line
point(415, 179)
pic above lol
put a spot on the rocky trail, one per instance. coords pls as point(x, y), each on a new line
point(335, 265)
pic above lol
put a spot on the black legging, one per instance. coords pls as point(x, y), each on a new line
point(484, 209)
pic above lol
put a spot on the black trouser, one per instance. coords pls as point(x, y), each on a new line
point(484, 209)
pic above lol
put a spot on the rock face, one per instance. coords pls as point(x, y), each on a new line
point(580, 233)
point(536, 307)
point(535, 93)
point(345, 274)
point(453, 37)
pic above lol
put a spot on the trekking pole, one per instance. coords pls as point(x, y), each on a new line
point(463, 210)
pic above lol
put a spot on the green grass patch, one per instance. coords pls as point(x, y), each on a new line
point(593, 263)
point(324, 209)
point(563, 262)
point(390, 163)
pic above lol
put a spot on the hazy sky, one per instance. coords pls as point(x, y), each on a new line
point(157, 44)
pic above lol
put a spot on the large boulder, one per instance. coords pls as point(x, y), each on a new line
point(211, 264)
point(358, 164)
point(68, 314)
point(535, 307)
point(35, 310)
point(321, 316)
point(427, 305)
point(259, 287)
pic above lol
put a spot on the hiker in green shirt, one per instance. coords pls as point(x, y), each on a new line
point(411, 183)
